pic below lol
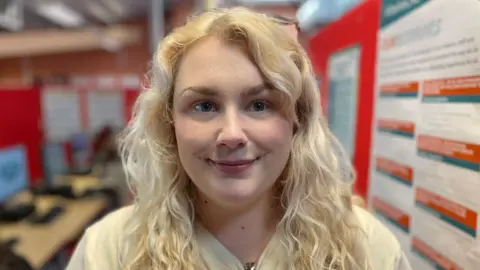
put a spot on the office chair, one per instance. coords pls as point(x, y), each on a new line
point(9, 260)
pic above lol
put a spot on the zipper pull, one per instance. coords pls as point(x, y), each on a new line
point(249, 266)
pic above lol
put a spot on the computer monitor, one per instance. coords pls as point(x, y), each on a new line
point(13, 171)
point(54, 161)
point(81, 150)
point(80, 142)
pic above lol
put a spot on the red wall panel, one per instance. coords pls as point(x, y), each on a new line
point(20, 123)
point(130, 96)
point(359, 26)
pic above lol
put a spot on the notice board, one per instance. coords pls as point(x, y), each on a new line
point(354, 37)
point(343, 77)
point(425, 161)
point(61, 112)
point(105, 108)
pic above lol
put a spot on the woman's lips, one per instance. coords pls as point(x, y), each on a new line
point(232, 166)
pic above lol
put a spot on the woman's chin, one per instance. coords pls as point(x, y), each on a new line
point(236, 196)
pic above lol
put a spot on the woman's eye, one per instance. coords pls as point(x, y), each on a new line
point(205, 107)
point(258, 106)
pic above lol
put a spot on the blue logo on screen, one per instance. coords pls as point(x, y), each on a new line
point(10, 170)
point(13, 171)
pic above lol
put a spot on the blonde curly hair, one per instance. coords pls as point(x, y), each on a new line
point(318, 230)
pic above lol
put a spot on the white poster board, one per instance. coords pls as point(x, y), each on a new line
point(61, 113)
point(425, 173)
point(105, 108)
point(343, 77)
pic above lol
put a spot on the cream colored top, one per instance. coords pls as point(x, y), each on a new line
point(99, 247)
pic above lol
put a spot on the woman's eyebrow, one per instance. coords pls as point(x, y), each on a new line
point(203, 90)
point(255, 90)
point(211, 91)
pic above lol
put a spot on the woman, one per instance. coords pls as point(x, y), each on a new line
point(232, 164)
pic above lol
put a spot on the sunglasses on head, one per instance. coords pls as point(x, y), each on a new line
point(282, 20)
point(277, 18)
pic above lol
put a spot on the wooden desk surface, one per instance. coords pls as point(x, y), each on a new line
point(38, 243)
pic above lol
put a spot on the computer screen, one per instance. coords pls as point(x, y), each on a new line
point(54, 161)
point(80, 142)
point(81, 149)
point(13, 171)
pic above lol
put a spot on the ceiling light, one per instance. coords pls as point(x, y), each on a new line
point(316, 12)
point(60, 14)
point(11, 15)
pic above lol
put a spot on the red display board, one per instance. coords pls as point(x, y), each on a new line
point(357, 27)
point(20, 123)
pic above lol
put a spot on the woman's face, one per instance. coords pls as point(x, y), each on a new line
point(233, 140)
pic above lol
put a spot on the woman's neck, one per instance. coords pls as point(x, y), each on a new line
point(244, 232)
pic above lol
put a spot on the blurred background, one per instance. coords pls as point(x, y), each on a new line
point(398, 81)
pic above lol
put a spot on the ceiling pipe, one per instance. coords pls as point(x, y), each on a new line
point(32, 43)
point(156, 22)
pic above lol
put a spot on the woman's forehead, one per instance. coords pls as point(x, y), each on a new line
point(209, 63)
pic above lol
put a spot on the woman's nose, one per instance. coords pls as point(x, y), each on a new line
point(232, 134)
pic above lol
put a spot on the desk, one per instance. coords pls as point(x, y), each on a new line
point(39, 243)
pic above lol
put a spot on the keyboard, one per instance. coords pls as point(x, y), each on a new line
point(46, 217)
point(62, 191)
point(16, 213)
point(10, 243)
point(68, 192)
